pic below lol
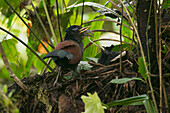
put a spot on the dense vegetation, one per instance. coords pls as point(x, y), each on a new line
point(131, 76)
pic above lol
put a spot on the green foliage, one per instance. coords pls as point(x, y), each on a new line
point(149, 106)
point(142, 69)
point(124, 80)
point(166, 5)
point(10, 50)
point(7, 11)
point(38, 64)
point(92, 103)
point(5, 88)
point(136, 100)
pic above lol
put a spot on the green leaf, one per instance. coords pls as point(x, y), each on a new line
point(136, 100)
point(142, 69)
point(124, 80)
point(5, 89)
point(11, 52)
point(39, 64)
point(4, 74)
point(166, 4)
point(10, 20)
point(92, 103)
point(149, 106)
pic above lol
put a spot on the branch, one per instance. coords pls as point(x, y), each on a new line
point(12, 75)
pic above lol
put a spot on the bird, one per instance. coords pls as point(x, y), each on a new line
point(68, 53)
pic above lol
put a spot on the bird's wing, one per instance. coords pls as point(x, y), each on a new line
point(59, 54)
point(73, 48)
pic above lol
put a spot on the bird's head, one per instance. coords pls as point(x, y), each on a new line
point(78, 32)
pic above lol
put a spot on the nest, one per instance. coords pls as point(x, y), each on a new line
point(65, 96)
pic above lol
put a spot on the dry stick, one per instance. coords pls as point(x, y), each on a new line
point(143, 57)
point(133, 36)
point(45, 68)
point(82, 13)
point(121, 42)
point(147, 39)
point(89, 44)
point(95, 44)
point(27, 25)
point(12, 75)
point(166, 100)
point(104, 30)
point(160, 57)
point(165, 28)
point(156, 29)
point(59, 30)
point(27, 47)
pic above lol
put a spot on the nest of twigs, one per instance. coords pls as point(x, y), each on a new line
point(65, 96)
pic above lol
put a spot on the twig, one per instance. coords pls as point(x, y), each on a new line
point(94, 43)
point(160, 56)
point(45, 68)
point(82, 13)
point(12, 75)
point(121, 42)
point(96, 64)
point(165, 98)
point(104, 30)
point(59, 30)
point(147, 39)
point(89, 44)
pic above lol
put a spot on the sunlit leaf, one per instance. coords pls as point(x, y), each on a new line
point(5, 89)
point(92, 103)
point(11, 52)
point(38, 64)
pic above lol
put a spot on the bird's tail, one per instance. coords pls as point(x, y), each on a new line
point(59, 54)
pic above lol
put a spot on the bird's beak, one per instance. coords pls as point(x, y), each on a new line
point(86, 31)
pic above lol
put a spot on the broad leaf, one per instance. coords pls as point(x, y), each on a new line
point(92, 103)
point(11, 52)
point(142, 69)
